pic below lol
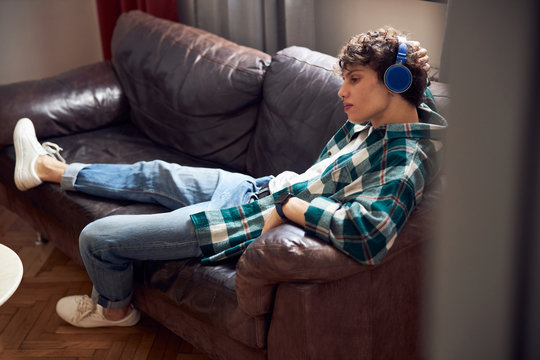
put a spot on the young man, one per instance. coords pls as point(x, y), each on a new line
point(356, 197)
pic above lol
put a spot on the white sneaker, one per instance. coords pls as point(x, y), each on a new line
point(82, 311)
point(27, 150)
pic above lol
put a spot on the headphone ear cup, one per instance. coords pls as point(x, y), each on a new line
point(398, 78)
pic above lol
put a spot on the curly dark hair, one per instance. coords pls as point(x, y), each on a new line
point(378, 50)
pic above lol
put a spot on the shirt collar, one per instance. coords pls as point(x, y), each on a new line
point(354, 129)
point(432, 125)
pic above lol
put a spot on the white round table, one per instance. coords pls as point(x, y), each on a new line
point(11, 272)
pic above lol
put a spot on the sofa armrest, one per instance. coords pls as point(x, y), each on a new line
point(85, 98)
point(286, 254)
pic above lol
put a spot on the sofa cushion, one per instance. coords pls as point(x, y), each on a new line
point(299, 113)
point(189, 89)
point(205, 293)
point(115, 144)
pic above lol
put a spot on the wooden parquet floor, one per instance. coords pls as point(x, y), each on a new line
point(30, 328)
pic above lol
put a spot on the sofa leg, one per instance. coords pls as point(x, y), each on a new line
point(38, 240)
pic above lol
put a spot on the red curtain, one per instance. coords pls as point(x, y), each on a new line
point(110, 10)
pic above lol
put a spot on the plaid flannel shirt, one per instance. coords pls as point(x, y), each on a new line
point(359, 203)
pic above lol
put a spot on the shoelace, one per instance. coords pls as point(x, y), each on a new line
point(85, 307)
point(53, 150)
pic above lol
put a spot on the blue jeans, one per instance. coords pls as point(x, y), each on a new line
point(109, 245)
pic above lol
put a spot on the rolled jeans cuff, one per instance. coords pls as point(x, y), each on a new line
point(70, 176)
point(107, 304)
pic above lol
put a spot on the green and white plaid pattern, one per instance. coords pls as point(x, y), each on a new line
point(359, 203)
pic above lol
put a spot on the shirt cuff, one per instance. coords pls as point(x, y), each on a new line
point(319, 217)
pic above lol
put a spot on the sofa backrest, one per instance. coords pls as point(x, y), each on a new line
point(299, 113)
point(188, 89)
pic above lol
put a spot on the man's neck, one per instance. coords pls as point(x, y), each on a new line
point(400, 111)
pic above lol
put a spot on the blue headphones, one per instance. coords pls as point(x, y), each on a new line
point(398, 77)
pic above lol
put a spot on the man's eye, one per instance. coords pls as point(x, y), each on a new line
point(354, 80)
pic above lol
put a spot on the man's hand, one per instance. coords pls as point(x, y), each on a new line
point(272, 221)
point(419, 55)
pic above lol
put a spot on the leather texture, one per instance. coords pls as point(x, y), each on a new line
point(204, 89)
point(441, 93)
point(183, 95)
point(82, 99)
point(296, 115)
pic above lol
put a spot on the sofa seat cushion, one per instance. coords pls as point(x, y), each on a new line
point(206, 293)
point(71, 210)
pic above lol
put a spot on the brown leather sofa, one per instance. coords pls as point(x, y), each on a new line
point(183, 95)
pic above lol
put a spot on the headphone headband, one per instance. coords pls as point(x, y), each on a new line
point(401, 57)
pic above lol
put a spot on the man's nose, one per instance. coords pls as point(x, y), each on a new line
point(341, 92)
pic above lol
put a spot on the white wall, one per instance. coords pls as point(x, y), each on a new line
point(40, 38)
point(338, 20)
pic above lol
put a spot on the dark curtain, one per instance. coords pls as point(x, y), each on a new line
point(267, 25)
point(110, 10)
